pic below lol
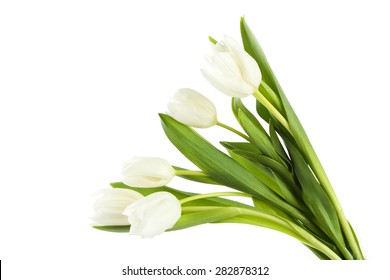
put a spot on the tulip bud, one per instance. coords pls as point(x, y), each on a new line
point(192, 108)
point(232, 70)
point(153, 214)
point(147, 172)
point(110, 205)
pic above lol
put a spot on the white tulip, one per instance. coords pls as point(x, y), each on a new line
point(110, 205)
point(231, 69)
point(192, 108)
point(153, 214)
point(147, 172)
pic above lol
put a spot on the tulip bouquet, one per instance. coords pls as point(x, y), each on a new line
point(274, 165)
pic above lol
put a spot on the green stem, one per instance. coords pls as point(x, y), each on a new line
point(233, 130)
point(198, 208)
point(265, 88)
point(185, 172)
point(300, 233)
point(216, 194)
point(261, 98)
point(256, 217)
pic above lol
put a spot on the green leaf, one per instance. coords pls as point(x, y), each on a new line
point(267, 170)
point(270, 172)
point(263, 111)
point(199, 179)
point(270, 163)
point(315, 197)
point(258, 138)
point(252, 47)
point(113, 228)
point(289, 193)
point(212, 40)
point(204, 217)
point(214, 163)
point(267, 208)
point(276, 142)
point(243, 146)
point(254, 129)
point(260, 172)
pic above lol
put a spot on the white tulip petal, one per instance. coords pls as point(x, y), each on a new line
point(250, 70)
point(232, 70)
point(230, 85)
point(192, 108)
point(218, 48)
point(110, 204)
point(147, 172)
point(153, 214)
point(223, 63)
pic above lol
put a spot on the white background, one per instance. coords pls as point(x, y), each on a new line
point(81, 83)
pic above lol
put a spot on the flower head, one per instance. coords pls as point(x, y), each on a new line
point(147, 172)
point(231, 69)
point(192, 108)
point(153, 214)
point(111, 203)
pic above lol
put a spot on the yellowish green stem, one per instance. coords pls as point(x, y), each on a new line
point(233, 130)
point(189, 173)
point(275, 99)
point(296, 232)
point(263, 100)
point(216, 194)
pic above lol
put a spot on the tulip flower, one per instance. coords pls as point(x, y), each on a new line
point(153, 214)
point(192, 108)
point(147, 172)
point(111, 203)
point(231, 69)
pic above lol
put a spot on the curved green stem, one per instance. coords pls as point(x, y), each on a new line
point(307, 238)
point(216, 194)
point(233, 130)
point(265, 88)
point(263, 100)
point(185, 172)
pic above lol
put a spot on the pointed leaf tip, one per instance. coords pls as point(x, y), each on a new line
point(212, 40)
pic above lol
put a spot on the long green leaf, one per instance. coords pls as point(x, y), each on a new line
point(199, 179)
point(315, 197)
point(276, 143)
point(252, 47)
point(113, 228)
point(263, 112)
point(290, 193)
point(214, 163)
point(204, 217)
point(275, 166)
point(254, 129)
point(243, 146)
point(259, 171)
